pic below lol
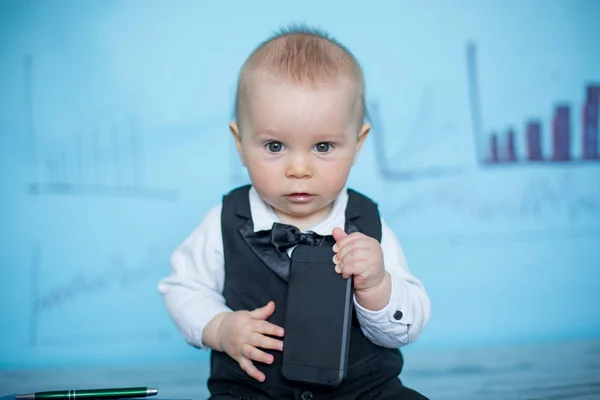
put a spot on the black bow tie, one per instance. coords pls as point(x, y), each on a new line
point(285, 236)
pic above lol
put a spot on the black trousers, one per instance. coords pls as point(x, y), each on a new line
point(390, 390)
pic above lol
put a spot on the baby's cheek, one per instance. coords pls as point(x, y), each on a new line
point(335, 178)
point(265, 180)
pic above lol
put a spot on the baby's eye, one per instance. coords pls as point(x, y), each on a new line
point(323, 147)
point(274, 147)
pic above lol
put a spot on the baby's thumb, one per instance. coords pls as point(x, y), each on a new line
point(263, 312)
point(338, 234)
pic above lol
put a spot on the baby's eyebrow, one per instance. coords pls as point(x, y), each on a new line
point(328, 136)
point(261, 136)
point(315, 136)
point(266, 133)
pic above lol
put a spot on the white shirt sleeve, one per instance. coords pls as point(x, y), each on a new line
point(402, 320)
point(193, 292)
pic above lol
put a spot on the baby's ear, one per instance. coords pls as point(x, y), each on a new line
point(362, 135)
point(235, 131)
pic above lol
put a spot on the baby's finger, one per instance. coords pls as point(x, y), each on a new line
point(338, 233)
point(349, 269)
point(267, 328)
point(265, 342)
point(346, 240)
point(347, 273)
point(249, 367)
point(352, 251)
point(263, 312)
point(255, 354)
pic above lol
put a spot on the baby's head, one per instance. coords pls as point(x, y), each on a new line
point(299, 122)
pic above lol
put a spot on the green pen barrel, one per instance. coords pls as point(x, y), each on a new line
point(93, 394)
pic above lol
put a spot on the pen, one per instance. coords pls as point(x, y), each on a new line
point(88, 394)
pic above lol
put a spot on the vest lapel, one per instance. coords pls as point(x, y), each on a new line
point(260, 243)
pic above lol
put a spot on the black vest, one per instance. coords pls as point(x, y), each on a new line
point(252, 280)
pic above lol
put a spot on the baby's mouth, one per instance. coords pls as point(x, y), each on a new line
point(299, 197)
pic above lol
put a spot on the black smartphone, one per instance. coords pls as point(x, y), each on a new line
point(318, 317)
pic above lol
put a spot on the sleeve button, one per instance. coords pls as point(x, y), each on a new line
point(398, 315)
point(307, 395)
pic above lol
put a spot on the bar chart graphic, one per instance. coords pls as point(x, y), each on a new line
point(498, 148)
point(105, 161)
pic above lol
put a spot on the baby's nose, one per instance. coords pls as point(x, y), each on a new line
point(299, 167)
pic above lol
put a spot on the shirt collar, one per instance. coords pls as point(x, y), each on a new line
point(263, 215)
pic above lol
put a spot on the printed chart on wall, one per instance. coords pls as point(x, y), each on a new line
point(539, 173)
point(99, 196)
point(86, 193)
point(492, 180)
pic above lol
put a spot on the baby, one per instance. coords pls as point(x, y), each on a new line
point(299, 127)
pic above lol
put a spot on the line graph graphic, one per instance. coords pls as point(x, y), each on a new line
point(496, 149)
point(98, 162)
point(391, 170)
point(566, 197)
point(57, 303)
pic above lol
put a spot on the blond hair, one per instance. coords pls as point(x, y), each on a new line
point(303, 56)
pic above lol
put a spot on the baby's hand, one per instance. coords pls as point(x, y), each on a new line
point(359, 255)
point(242, 332)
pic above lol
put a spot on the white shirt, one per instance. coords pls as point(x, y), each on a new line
point(193, 290)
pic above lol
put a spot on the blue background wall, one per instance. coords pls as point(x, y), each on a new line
point(114, 143)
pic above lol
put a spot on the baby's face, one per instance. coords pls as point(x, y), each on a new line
point(299, 144)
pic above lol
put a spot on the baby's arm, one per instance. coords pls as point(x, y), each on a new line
point(193, 291)
point(402, 320)
point(194, 300)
